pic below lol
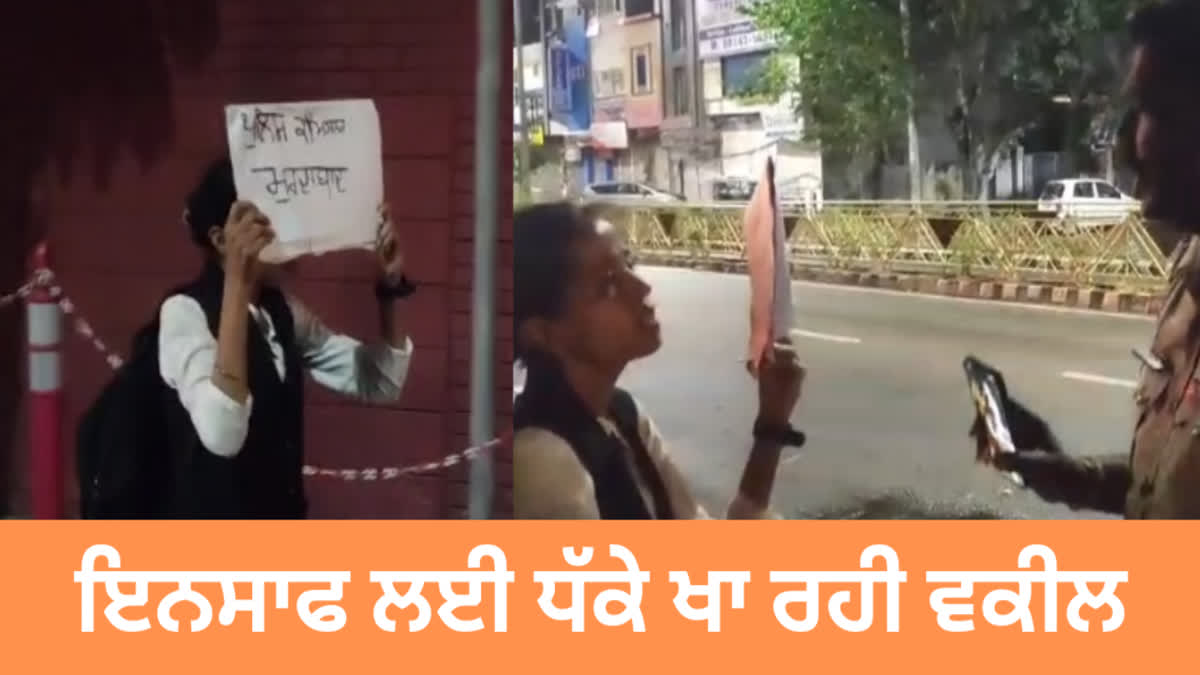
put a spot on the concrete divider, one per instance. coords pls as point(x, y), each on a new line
point(1106, 300)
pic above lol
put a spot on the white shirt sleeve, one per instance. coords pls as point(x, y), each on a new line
point(370, 372)
point(549, 482)
point(187, 352)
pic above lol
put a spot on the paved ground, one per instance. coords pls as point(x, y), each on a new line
point(885, 406)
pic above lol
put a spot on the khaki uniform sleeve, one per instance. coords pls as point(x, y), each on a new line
point(549, 482)
point(1180, 259)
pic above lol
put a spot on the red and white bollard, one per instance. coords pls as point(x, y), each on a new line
point(44, 319)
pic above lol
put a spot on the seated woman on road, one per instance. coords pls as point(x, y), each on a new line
point(583, 448)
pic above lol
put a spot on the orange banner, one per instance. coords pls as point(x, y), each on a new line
point(457, 597)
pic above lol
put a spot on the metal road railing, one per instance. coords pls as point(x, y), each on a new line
point(1007, 241)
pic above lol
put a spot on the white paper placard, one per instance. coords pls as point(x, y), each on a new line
point(314, 168)
point(782, 310)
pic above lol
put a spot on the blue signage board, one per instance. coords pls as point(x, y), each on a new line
point(570, 80)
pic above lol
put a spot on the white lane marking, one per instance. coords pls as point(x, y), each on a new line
point(1053, 309)
point(1099, 379)
point(788, 460)
point(825, 336)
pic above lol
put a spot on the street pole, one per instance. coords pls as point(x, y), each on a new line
point(546, 75)
point(482, 479)
point(914, 141)
point(523, 158)
point(545, 69)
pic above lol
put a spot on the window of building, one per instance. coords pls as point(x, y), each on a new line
point(643, 81)
point(609, 83)
point(604, 7)
point(738, 122)
point(739, 73)
point(678, 25)
point(638, 7)
point(681, 92)
point(535, 105)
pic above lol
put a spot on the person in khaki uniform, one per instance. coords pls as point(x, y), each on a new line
point(582, 447)
point(1160, 476)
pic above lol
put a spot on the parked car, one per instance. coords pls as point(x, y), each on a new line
point(1089, 202)
point(733, 189)
point(795, 192)
point(620, 190)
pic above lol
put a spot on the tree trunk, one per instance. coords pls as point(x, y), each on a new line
point(981, 174)
point(914, 142)
point(964, 136)
point(990, 159)
point(877, 174)
point(971, 172)
point(1069, 137)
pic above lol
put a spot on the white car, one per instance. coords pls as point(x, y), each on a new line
point(1087, 201)
point(635, 191)
point(796, 193)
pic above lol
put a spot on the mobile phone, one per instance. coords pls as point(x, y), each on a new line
point(990, 396)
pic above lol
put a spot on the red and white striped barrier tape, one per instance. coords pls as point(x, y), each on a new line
point(45, 278)
point(371, 474)
point(20, 294)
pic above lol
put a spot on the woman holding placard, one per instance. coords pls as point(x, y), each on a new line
point(233, 349)
point(583, 448)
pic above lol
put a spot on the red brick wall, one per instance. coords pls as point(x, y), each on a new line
point(131, 117)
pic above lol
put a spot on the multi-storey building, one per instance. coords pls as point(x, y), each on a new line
point(712, 134)
point(652, 91)
point(569, 87)
point(688, 143)
point(627, 92)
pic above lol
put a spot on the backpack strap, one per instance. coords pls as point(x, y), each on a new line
point(624, 412)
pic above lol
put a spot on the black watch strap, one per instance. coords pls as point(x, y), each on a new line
point(399, 290)
point(787, 436)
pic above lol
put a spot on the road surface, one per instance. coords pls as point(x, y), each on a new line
point(885, 406)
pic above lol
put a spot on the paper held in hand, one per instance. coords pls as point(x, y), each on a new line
point(771, 312)
point(314, 168)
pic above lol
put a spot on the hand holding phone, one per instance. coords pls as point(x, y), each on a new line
point(1002, 425)
point(990, 398)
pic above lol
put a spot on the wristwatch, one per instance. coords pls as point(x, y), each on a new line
point(399, 290)
point(786, 436)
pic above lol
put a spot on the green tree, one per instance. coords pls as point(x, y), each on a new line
point(991, 69)
point(998, 68)
point(1088, 48)
point(842, 61)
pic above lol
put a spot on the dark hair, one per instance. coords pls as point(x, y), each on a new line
point(543, 238)
point(209, 202)
point(1170, 29)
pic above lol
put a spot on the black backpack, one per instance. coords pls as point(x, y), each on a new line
point(121, 446)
